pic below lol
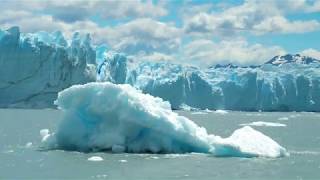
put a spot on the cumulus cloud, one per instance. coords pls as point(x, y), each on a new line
point(139, 32)
point(79, 10)
point(257, 17)
point(282, 25)
point(312, 53)
point(205, 52)
point(143, 36)
point(155, 57)
point(28, 22)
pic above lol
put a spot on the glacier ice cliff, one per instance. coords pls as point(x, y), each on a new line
point(35, 67)
point(287, 83)
point(119, 118)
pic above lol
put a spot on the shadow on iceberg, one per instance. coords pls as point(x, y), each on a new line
point(119, 118)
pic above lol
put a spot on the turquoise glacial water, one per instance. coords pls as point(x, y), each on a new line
point(21, 158)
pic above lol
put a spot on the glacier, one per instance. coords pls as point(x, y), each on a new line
point(278, 85)
point(120, 118)
point(36, 66)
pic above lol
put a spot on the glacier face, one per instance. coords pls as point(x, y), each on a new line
point(289, 86)
point(35, 67)
point(119, 118)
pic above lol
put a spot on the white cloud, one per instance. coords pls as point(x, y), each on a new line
point(311, 52)
point(155, 56)
point(282, 25)
point(79, 10)
point(28, 22)
point(253, 16)
point(315, 7)
point(142, 36)
point(205, 52)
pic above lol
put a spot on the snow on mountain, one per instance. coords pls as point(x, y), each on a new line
point(290, 87)
point(35, 67)
point(298, 59)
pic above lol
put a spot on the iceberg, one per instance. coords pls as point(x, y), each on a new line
point(119, 118)
point(262, 123)
point(36, 66)
point(286, 83)
point(95, 158)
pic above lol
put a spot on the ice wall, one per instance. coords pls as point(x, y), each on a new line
point(286, 87)
point(35, 67)
point(119, 118)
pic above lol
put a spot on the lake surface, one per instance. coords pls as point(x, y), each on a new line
point(20, 156)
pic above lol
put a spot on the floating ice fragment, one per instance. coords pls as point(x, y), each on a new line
point(221, 112)
point(208, 110)
point(198, 112)
point(95, 158)
point(247, 142)
point(283, 119)
point(28, 145)
point(262, 123)
point(45, 134)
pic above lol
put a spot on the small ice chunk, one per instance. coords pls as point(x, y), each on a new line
point(208, 110)
point(100, 176)
point(262, 123)
point(28, 145)
point(283, 119)
point(45, 134)
point(247, 142)
point(123, 160)
point(198, 112)
point(8, 151)
point(95, 158)
point(222, 112)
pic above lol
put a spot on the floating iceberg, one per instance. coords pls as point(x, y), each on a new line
point(35, 67)
point(95, 158)
point(262, 123)
point(119, 118)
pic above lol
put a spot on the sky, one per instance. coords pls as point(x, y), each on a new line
point(202, 32)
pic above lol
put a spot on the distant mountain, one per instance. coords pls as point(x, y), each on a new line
point(224, 66)
point(289, 58)
point(232, 66)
